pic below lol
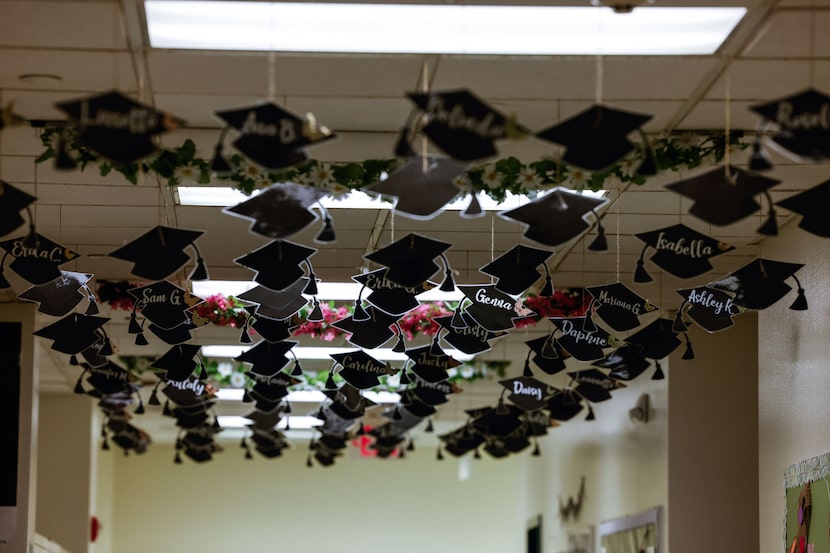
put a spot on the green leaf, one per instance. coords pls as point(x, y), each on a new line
point(48, 154)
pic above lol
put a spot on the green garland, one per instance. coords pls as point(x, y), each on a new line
point(181, 165)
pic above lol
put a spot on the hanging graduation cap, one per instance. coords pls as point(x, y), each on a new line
point(596, 137)
point(517, 269)
point(760, 283)
point(526, 392)
point(280, 305)
point(118, 127)
point(472, 338)
point(266, 358)
point(411, 260)
point(73, 333)
point(348, 403)
point(548, 355)
point(725, 195)
point(163, 303)
point(558, 217)
point(625, 363)
point(36, 259)
point(499, 421)
point(390, 297)
point(281, 210)
point(594, 385)
point(12, 202)
point(813, 205)
point(680, 250)
point(585, 345)
point(273, 330)
point(619, 306)
point(178, 362)
point(109, 378)
point(370, 333)
point(656, 340)
point(800, 121)
point(431, 363)
point(277, 264)
point(159, 252)
point(711, 308)
point(60, 296)
point(423, 186)
point(360, 369)
point(190, 393)
point(565, 405)
point(462, 440)
point(431, 393)
point(492, 309)
point(270, 135)
point(462, 125)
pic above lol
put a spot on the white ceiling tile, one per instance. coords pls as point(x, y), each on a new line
point(102, 217)
point(78, 70)
point(61, 24)
point(364, 114)
point(761, 80)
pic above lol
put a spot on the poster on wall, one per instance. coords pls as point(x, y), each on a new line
point(807, 491)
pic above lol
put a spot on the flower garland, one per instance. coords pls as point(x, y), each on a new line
point(181, 165)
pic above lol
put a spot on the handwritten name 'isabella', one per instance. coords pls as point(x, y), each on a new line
point(694, 249)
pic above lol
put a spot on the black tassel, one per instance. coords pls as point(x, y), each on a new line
point(536, 451)
point(245, 337)
point(203, 374)
point(439, 456)
point(92, 308)
point(591, 415)
point(430, 428)
point(473, 209)
point(476, 454)
point(287, 409)
point(588, 324)
point(243, 443)
point(400, 345)
point(600, 243)
point(658, 372)
point(178, 458)
point(31, 240)
point(330, 384)
point(73, 360)
point(106, 348)
point(411, 446)
point(219, 164)
point(248, 454)
point(448, 285)
point(133, 327)
point(648, 167)
point(457, 320)
point(527, 372)
point(502, 409)
point(404, 378)
point(397, 414)
point(308, 462)
point(758, 161)
point(63, 159)
point(105, 445)
point(246, 397)
point(200, 271)
point(297, 370)
point(316, 315)
point(770, 226)
point(435, 349)
point(154, 398)
point(166, 411)
point(141, 340)
point(679, 326)
point(402, 146)
point(4, 283)
point(800, 303)
point(360, 314)
point(287, 423)
point(401, 453)
point(79, 387)
point(140, 409)
point(327, 233)
point(547, 289)
point(689, 353)
point(549, 349)
point(311, 288)
point(361, 430)
point(640, 274)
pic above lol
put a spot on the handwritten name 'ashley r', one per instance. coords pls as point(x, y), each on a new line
point(706, 298)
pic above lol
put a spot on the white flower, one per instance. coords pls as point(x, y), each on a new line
point(686, 141)
point(321, 175)
point(186, 173)
point(462, 181)
point(579, 178)
point(467, 371)
point(338, 190)
point(237, 380)
point(492, 178)
point(629, 165)
point(263, 181)
point(301, 178)
point(224, 369)
point(529, 179)
point(250, 171)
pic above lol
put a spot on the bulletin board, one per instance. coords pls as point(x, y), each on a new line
point(810, 477)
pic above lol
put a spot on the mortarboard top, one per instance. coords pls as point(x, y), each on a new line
point(625, 363)
point(431, 365)
point(61, 295)
point(596, 137)
point(462, 440)
point(594, 385)
point(190, 392)
point(557, 217)
point(565, 405)
point(548, 354)
point(513, 444)
point(526, 392)
point(269, 394)
point(178, 361)
point(280, 210)
point(430, 394)
point(266, 358)
point(461, 124)
point(814, 206)
point(389, 296)
point(370, 333)
point(12, 202)
point(680, 250)
point(110, 378)
point(118, 127)
point(492, 309)
point(580, 343)
point(423, 186)
point(36, 262)
point(360, 369)
point(188, 420)
point(277, 264)
point(709, 307)
point(801, 119)
point(411, 259)
point(277, 304)
point(722, 199)
point(73, 333)
point(159, 252)
point(619, 306)
point(164, 304)
point(264, 420)
point(471, 338)
point(760, 283)
point(176, 335)
point(517, 268)
point(273, 330)
point(417, 408)
point(272, 136)
point(499, 421)
point(656, 340)
point(93, 356)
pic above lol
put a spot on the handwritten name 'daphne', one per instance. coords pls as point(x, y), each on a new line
point(705, 298)
point(284, 129)
point(197, 387)
point(695, 249)
point(806, 120)
point(457, 118)
point(137, 120)
point(521, 389)
point(578, 335)
point(608, 299)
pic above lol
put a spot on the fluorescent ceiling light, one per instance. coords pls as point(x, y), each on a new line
point(297, 423)
point(322, 352)
point(309, 396)
point(437, 28)
point(326, 290)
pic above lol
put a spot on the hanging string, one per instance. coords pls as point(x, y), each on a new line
point(598, 84)
point(272, 75)
point(392, 226)
point(727, 124)
point(424, 142)
point(492, 243)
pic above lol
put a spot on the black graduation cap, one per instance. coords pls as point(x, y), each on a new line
point(596, 137)
point(725, 195)
point(462, 125)
point(813, 205)
point(558, 217)
point(272, 136)
point(760, 283)
point(267, 358)
point(565, 405)
point(423, 186)
point(371, 332)
point(625, 363)
point(517, 269)
point(267, 396)
point(159, 252)
point(12, 202)
point(176, 335)
point(415, 408)
point(594, 385)
point(411, 260)
point(492, 309)
point(35, 258)
point(428, 392)
point(431, 363)
point(60, 296)
point(277, 304)
point(462, 440)
point(389, 296)
point(178, 361)
point(547, 354)
point(277, 264)
point(499, 421)
point(73, 333)
point(118, 127)
point(348, 403)
point(279, 211)
point(190, 393)
point(110, 378)
point(680, 250)
point(801, 123)
point(163, 303)
point(709, 307)
point(656, 340)
point(472, 338)
point(264, 420)
point(360, 369)
point(527, 392)
point(618, 305)
point(585, 345)
point(272, 330)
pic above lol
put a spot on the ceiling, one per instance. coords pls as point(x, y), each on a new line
point(72, 48)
